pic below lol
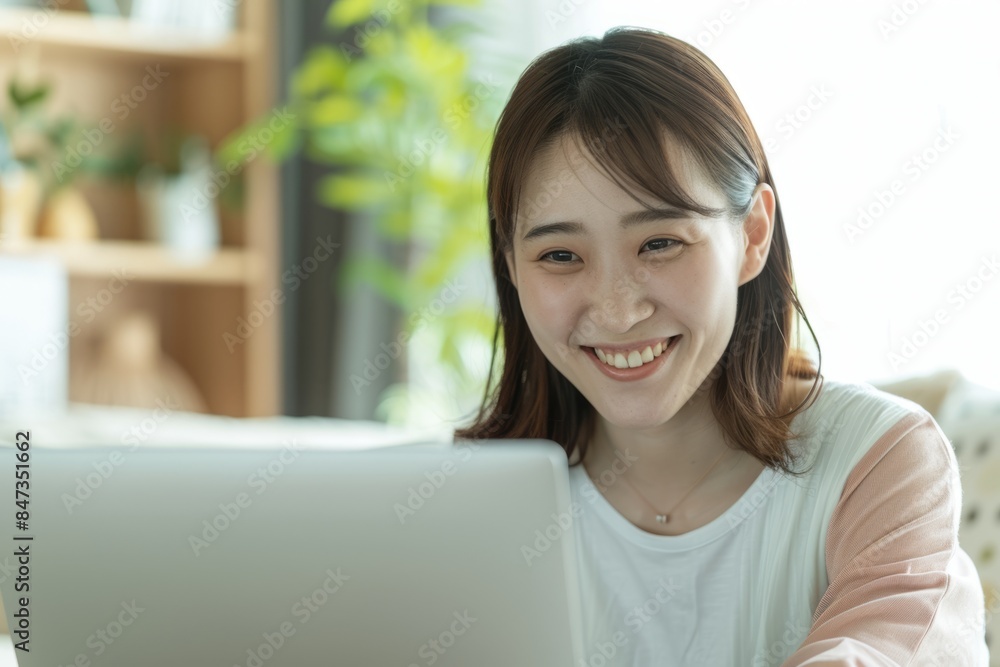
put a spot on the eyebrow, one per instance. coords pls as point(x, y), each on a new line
point(633, 219)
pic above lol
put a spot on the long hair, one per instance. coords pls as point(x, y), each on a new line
point(619, 95)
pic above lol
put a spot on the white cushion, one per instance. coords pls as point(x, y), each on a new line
point(970, 417)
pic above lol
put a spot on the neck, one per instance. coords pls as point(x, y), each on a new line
point(667, 459)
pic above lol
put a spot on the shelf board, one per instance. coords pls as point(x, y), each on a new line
point(139, 260)
point(113, 35)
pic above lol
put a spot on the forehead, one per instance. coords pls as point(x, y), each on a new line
point(565, 178)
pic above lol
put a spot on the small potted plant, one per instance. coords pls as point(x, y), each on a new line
point(37, 193)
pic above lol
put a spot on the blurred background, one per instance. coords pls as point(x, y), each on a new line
point(258, 208)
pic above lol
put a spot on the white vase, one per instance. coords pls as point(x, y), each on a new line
point(179, 210)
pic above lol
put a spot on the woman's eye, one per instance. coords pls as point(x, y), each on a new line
point(673, 242)
point(662, 244)
point(556, 252)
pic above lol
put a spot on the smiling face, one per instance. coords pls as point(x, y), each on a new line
point(592, 281)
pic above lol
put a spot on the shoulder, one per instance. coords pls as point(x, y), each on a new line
point(879, 459)
point(899, 496)
point(848, 418)
point(866, 402)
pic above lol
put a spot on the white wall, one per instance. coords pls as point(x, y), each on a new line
point(895, 76)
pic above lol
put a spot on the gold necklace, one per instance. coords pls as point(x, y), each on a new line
point(665, 516)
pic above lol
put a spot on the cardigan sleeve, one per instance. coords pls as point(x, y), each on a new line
point(902, 592)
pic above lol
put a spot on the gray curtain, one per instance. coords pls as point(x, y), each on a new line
point(326, 337)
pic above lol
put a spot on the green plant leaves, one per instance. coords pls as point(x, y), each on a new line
point(42, 141)
point(334, 109)
point(322, 70)
point(390, 103)
point(277, 140)
point(475, 319)
point(23, 97)
point(352, 192)
point(343, 13)
point(383, 276)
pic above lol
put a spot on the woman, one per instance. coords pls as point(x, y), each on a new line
point(734, 509)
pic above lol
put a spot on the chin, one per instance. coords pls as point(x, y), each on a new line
point(629, 418)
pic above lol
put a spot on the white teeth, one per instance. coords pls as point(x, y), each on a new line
point(634, 359)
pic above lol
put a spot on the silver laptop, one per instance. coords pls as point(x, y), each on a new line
point(429, 554)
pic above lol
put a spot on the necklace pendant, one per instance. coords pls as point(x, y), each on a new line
point(663, 518)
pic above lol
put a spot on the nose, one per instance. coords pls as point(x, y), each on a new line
point(619, 302)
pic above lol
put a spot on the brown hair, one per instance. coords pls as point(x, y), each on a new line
point(620, 95)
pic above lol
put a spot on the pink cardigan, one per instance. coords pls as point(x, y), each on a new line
point(912, 597)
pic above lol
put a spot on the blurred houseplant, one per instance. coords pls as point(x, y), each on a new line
point(394, 107)
point(38, 167)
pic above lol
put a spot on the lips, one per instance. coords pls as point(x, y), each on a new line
point(638, 372)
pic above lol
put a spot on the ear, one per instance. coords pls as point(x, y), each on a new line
point(756, 233)
point(509, 256)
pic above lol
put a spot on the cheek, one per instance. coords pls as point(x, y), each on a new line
point(545, 309)
point(543, 294)
point(700, 293)
point(698, 304)
point(710, 312)
point(549, 313)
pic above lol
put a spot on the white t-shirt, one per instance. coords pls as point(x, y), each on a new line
point(753, 587)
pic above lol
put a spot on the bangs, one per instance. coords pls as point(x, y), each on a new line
point(630, 146)
point(628, 136)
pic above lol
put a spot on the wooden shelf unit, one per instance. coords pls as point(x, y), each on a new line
point(213, 87)
point(94, 34)
point(143, 260)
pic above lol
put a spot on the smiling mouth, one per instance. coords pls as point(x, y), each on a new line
point(635, 359)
